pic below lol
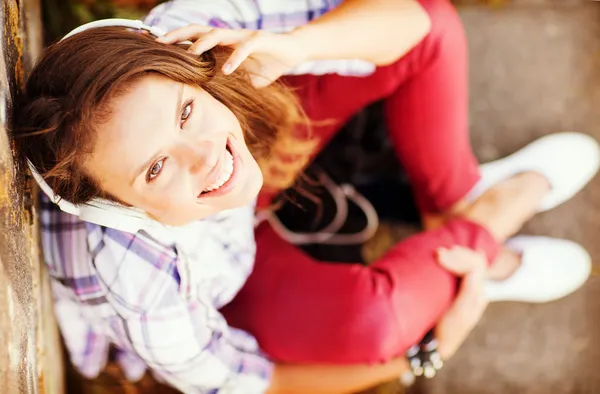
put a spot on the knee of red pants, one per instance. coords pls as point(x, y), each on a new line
point(446, 36)
point(446, 170)
point(445, 21)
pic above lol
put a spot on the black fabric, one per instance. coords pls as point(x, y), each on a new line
point(361, 155)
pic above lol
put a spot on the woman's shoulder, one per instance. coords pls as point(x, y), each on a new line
point(99, 264)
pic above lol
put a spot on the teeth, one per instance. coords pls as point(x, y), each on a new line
point(225, 174)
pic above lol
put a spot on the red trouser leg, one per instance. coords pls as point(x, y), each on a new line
point(303, 310)
point(426, 107)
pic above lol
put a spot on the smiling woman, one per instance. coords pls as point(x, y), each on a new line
point(193, 162)
point(198, 131)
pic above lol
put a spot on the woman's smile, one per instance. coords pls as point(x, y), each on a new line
point(222, 177)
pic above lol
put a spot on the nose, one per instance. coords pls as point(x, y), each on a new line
point(201, 156)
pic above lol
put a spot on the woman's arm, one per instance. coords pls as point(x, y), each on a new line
point(332, 379)
point(379, 31)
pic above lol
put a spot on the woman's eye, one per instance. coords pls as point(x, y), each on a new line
point(187, 111)
point(155, 170)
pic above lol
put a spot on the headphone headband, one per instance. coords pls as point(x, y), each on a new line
point(100, 211)
point(117, 22)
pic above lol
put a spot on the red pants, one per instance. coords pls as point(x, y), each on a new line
point(303, 310)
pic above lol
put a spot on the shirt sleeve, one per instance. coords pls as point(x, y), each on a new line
point(87, 346)
point(184, 340)
point(174, 14)
point(195, 357)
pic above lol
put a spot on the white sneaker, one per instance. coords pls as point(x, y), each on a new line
point(568, 160)
point(550, 269)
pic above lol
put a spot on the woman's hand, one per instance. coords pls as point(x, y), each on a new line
point(458, 321)
point(266, 56)
point(470, 303)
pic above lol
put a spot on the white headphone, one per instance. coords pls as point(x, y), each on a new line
point(100, 211)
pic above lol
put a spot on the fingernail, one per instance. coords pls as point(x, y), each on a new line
point(227, 68)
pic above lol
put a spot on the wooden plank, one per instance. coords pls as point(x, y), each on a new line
point(32, 362)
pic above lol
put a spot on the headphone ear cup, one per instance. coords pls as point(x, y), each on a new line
point(64, 205)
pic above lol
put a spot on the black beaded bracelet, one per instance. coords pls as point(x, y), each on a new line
point(424, 358)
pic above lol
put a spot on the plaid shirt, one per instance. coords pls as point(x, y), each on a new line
point(112, 287)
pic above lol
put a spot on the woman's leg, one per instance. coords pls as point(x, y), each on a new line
point(303, 310)
point(426, 109)
point(427, 116)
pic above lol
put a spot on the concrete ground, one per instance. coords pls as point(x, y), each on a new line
point(535, 69)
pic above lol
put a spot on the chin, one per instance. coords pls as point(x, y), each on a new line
point(244, 194)
point(255, 184)
point(247, 193)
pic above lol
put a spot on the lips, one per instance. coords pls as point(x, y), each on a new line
point(225, 173)
point(226, 170)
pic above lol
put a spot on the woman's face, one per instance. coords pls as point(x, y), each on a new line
point(174, 151)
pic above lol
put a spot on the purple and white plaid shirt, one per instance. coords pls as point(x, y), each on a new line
point(158, 303)
point(113, 287)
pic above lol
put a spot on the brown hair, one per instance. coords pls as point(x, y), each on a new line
point(72, 84)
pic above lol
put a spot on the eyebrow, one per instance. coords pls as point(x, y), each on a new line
point(144, 167)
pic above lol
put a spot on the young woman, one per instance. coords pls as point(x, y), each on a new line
point(156, 152)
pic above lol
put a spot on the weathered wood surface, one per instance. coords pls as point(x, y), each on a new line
point(32, 361)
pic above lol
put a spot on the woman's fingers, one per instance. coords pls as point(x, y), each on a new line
point(464, 314)
point(205, 37)
point(460, 260)
point(205, 43)
point(191, 32)
point(470, 303)
point(241, 53)
point(263, 55)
